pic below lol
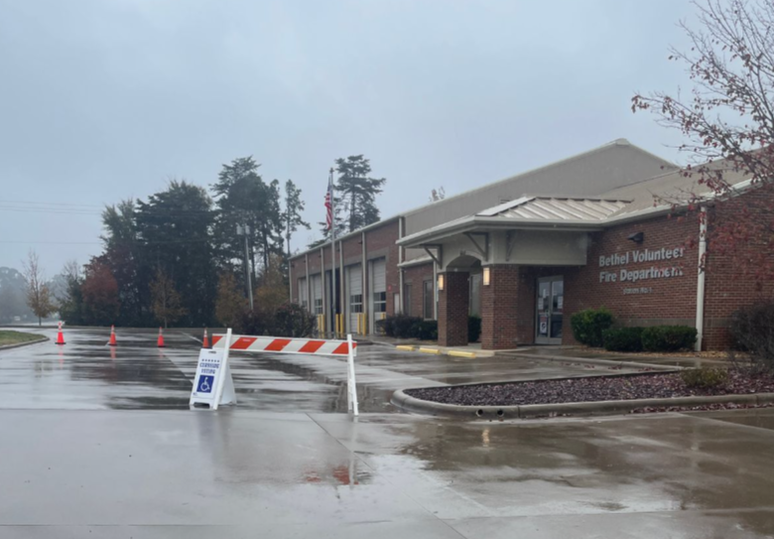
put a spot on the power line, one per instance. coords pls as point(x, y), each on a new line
point(38, 202)
point(135, 242)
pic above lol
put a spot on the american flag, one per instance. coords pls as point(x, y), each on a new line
point(329, 203)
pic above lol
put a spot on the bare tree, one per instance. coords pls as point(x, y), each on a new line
point(39, 297)
point(728, 119)
point(166, 300)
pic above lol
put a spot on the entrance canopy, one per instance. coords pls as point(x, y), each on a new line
point(533, 230)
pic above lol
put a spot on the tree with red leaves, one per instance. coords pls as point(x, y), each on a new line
point(728, 123)
point(100, 293)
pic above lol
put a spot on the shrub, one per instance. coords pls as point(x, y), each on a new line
point(623, 339)
point(752, 329)
point(474, 328)
point(427, 330)
point(588, 325)
point(704, 377)
point(400, 326)
point(252, 323)
point(668, 338)
point(381, 326)
point(291, 320)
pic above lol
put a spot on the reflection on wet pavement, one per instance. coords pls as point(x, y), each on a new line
point(75, 464)
point(180, 473)
point(88, 374)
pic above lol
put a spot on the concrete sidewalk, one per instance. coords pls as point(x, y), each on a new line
point(91, 448)
point(197, 474)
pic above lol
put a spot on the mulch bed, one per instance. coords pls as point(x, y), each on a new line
point(589, 389)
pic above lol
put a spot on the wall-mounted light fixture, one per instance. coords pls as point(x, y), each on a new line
point(487, 276)
point(440, 281)
point(637, 237)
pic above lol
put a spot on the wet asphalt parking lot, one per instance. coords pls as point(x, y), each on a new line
point(98, 442)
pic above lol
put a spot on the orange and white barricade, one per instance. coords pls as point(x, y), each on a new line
point(213, 384)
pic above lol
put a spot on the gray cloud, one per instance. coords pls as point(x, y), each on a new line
point(101, 101)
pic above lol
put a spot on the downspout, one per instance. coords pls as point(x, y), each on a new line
point(342, 292)
point(702, 277)
point(435, 290)
point(309, 302)
point(322, 291)
point(399, 308)
point(367, 298)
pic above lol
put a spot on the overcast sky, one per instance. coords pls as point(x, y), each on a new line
point(102, 100)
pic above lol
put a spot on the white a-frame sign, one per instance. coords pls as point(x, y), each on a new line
point(213, 384)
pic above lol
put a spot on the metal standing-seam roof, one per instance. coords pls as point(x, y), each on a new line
point(557, 208)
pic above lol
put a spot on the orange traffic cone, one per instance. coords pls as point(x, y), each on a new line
point(113, 336)
point(160, 341)
point(206, 342)
point(59, 335)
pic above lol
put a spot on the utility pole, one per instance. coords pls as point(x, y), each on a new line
point(248, 279)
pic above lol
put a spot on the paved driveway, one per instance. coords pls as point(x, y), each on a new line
point(77, 463)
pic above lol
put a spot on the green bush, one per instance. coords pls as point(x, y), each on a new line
point(288, 320)
point(400, 326)
point(474, 328)
point(252, 323)
point(588, 325)
point(668, 338)
point(704, 377)
point(427, 330)
point(291, 320)
point(623, 339)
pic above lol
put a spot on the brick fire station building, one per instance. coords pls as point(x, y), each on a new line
point(527, 252)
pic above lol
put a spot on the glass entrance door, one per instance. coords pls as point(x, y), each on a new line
point(550, 307)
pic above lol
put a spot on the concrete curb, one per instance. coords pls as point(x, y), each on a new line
point(26, 343)
point(460, 353)
point(596, 361)
point(436, 351)
point(533, 411)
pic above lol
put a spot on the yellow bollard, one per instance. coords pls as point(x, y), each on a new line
point(460, 353)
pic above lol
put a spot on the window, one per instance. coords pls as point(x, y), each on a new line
point(303, 299)
point(428, 300)
point(474, 299)
point(380, 302)
point(356, 303)
point(317, 295)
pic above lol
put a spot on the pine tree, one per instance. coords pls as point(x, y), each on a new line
point(357, 191)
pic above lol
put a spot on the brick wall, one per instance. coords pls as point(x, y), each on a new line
point(648, 301)
point(382, 240)
point(500, 310)
point(733, 280)
point(415, 276)
point(453, 310)
point(508, 304)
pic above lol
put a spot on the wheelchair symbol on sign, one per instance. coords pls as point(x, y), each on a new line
point(205, 384)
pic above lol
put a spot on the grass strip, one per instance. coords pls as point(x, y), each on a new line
point(15, 337)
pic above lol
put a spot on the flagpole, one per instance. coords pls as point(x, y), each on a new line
point(334, 295)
